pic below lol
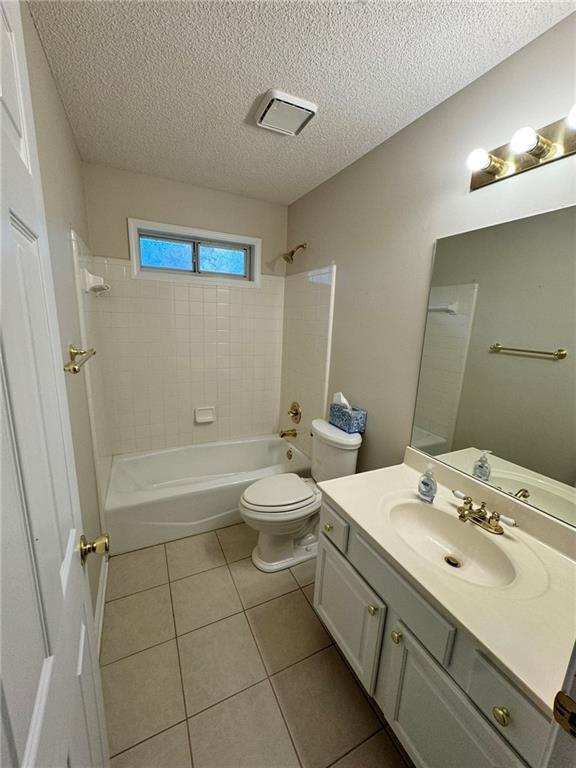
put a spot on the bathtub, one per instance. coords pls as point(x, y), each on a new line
point(163, 495)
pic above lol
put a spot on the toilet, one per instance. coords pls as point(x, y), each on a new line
point(284, 508)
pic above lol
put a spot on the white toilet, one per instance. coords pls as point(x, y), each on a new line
point(284, 508)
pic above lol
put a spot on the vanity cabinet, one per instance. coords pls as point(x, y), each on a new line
point(435, 721)
point(446, 713)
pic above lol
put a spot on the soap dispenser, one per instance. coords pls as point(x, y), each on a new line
point(482, 469)
point(427, 485)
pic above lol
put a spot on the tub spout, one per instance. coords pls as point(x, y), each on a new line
point(288, 433)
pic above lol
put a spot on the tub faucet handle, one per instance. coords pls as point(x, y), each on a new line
point(295, 412)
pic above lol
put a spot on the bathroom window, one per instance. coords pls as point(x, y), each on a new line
point(163, 251)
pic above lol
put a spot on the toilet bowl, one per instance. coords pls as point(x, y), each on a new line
point(284, 508)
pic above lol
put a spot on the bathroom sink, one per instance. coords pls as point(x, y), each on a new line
point(460, 548)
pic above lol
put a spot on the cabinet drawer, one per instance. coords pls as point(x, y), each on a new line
point(334, 527)
point(429, 626)
point(528, 728)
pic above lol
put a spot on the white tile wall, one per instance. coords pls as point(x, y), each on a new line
point(309, 305)
point(166, 348)
point(444, 360)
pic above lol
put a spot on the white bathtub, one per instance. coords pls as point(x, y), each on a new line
point(164, 495)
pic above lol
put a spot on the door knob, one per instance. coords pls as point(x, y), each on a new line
point(396, 636)
point(372, 610)
point(100, 545)
point(328, 527)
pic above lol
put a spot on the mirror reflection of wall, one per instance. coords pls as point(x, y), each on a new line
point(515, 284)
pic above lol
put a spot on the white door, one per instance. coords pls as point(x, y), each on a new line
point(52, 714)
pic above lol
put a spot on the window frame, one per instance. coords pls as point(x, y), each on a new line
point(196, 237)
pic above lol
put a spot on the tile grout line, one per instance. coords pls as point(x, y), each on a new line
point(142, 650)
point(268, 678)
point(349, 752)
point(179, 660)
point(137, 592)
point(143, 741)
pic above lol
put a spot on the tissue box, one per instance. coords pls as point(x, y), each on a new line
point(347, 419)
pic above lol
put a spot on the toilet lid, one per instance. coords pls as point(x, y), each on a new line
point(278, 491)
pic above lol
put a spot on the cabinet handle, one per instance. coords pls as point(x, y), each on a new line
point(501, 715)
point(372, 610)
point(396, 636)
point(328, 527)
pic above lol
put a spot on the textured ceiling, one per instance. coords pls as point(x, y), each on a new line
point(168, 88)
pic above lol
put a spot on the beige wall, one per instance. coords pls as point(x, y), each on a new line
point(521, 408)
point(112, 196)
point(379, 218)
point(64, 203)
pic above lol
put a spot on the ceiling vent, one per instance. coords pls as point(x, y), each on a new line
point(284, 113)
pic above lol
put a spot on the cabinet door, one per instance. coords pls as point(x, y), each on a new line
point(351, 611)
point(435, 721)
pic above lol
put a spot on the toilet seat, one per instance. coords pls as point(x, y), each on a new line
point(281, 494)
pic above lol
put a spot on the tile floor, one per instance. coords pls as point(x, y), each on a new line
point(207, 661)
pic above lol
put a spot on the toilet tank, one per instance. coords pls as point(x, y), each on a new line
point(334, 452)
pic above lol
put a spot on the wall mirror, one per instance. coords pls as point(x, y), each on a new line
point(498, 369)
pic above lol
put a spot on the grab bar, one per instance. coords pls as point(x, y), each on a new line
point(558, 354)
point(74, 367)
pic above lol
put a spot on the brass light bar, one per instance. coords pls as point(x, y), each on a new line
point(554, 142)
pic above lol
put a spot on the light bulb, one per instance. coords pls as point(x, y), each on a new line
point(571, 119)
point(524, 140)
point(478, 160)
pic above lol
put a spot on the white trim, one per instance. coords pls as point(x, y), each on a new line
point(134, 225)
point(100, 602)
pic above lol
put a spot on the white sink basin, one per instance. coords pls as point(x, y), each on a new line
point(460, 548)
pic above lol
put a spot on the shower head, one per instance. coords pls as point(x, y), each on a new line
point(289, 257)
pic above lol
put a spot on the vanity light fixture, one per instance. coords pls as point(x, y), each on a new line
point(529, 148)
point(526, 140)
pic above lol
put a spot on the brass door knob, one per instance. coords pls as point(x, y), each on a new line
point(502, 716)
point(396, 636)
point(328, 527)
point(372, 610)
point(100, 545)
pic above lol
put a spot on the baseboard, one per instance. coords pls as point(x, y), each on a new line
point(100, 600)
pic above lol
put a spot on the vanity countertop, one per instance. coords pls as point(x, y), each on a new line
point(528, 626)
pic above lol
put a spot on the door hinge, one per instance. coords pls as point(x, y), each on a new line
point(565, 712)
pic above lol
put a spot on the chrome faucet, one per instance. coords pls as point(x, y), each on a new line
point(288, 433)
point(488, 521)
